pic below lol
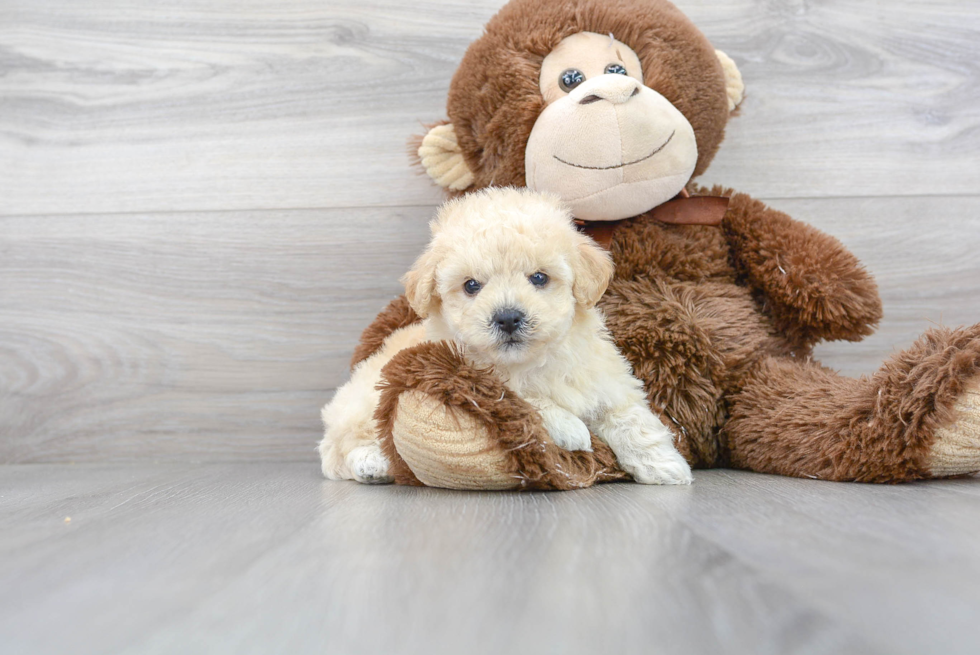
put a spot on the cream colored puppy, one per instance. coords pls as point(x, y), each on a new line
point(509, 280)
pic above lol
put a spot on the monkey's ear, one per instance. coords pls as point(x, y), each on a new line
point(593, 271)
point(443, 159)
point(420, 284)
point(733, 80)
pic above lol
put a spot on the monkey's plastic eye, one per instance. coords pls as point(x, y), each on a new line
point(472, 287)
point(570, 79)
point(616, 69)
point(539, 279)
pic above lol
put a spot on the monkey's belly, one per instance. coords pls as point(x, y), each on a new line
point(691, 344)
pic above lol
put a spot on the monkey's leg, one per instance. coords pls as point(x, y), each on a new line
point(917, 417)
point(446, 423)
point(396, 315)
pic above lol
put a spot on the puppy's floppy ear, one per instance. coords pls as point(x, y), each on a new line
point(593, 268)
point(420, 283)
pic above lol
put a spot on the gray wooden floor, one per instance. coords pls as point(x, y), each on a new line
point(203, 202)
point(269, 558)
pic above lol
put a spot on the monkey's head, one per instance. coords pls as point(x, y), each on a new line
point(613, 105)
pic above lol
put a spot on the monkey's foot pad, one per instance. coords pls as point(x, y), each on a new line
point(447, 423)
point(957, 447)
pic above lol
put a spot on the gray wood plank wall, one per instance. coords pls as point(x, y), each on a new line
point(203, 202)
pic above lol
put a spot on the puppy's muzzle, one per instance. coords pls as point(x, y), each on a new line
point(509, 320)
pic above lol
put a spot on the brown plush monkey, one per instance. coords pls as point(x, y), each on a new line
point(616, 105)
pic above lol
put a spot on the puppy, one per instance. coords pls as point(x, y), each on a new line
point(510, 281)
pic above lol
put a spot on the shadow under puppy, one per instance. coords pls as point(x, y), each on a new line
point(509, 280)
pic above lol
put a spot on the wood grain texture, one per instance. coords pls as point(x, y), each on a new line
point(187, 335)
point(259, 558)
point(217, 336)
point(215, 105)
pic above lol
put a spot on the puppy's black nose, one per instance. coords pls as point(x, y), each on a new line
point(508, 320)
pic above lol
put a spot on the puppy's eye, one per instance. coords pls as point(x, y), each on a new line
point(616, 69)
point(472, 287)
point(539, 279)
point(570, 79)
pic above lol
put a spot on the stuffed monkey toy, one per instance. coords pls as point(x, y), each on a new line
point(717, 301)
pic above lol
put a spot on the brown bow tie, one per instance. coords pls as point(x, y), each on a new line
point(682, 210)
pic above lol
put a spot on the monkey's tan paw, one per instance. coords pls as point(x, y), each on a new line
point(956, 450)
point(447, 449)
point(444, 422)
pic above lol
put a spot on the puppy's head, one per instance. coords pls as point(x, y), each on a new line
point(506, 273)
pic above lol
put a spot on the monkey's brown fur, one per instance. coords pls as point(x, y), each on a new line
point(718, 323)
point(396, 315)
point(532, 459)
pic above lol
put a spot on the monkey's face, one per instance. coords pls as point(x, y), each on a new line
point(608, 145)
point(611, 106)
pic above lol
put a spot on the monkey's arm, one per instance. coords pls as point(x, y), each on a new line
point(396, 315)
point(812, 286)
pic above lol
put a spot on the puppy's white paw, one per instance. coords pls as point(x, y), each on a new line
point(566, 430)
point(368, 464)
point(659, 465)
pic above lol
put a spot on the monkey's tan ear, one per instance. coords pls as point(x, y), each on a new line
point(420, 284)
point(733, 80)
point(593, 271)
point(443, 159)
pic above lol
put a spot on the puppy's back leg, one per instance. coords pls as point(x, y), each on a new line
point(350, 448)
point(350, 433)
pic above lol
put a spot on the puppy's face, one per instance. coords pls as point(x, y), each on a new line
point(505, 295)
point(506, 274)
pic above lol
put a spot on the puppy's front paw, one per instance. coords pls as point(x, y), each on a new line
point(659, 465)
point(566, 430)
point(369, 465)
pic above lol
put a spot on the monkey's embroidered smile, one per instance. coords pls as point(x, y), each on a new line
point(606, 143)
point(628, 163)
